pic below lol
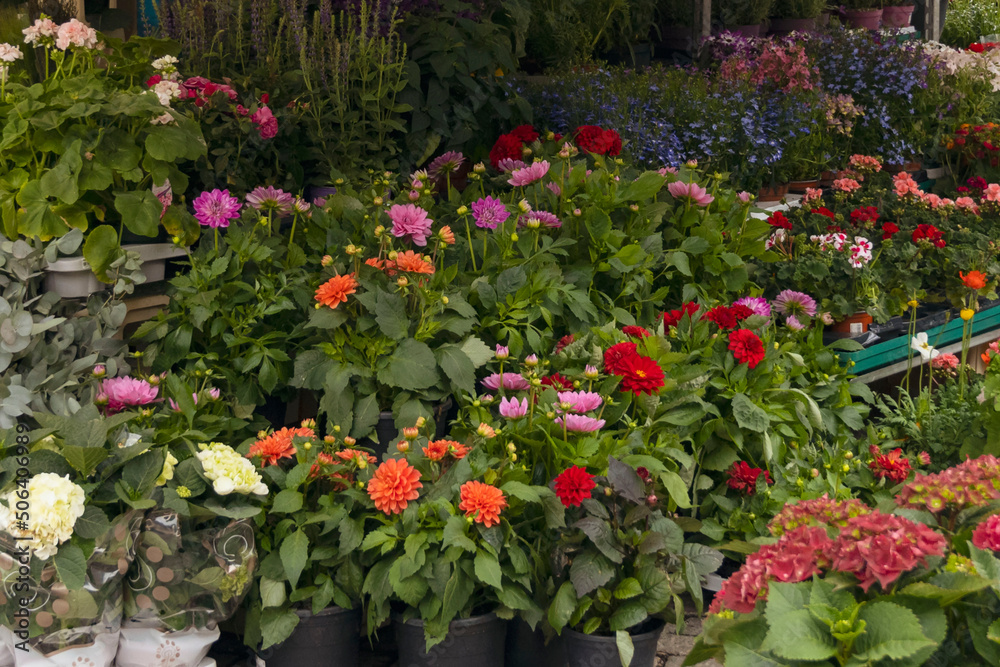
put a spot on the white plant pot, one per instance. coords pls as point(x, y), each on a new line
point(149, 647)
point(937, 172)
point(101, 653)
point(71, 277)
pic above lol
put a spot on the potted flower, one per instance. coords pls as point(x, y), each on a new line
point(122, 168)
point(789, 16)
point(744, 17)
point(306, 601)
point(897, 13)
point(622, 562)
point(445, 562)
point(863, 13)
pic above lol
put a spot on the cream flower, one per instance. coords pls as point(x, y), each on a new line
point(75, 33)
point(167, 91)
point(167, 473)
point(56, 503)
point(229, 471)
point(920, 344)
point(9, 53)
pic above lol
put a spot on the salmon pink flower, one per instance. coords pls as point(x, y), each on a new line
point(528, 175)
point(691, 191)
point(127, 392)
point(511, 381)
point(395, 483)
point(511, 408)
point(579, 423)
point(579, 401)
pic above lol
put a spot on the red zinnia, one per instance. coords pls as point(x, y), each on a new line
point(615, 356)
point(673, 318)
point(641, 375)
point(746, 347)
point(636, 332)
point(888, 229)
point(574, 485)
point(557, 382)
point(743, 478)
point(507, 147)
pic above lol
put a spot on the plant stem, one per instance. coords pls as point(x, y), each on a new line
point(468, 234)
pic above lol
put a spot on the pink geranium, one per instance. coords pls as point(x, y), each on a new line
point(127, 392)
point(697, 194)
point(992, 192)
point(528, 175)
point(411, 223)
point(967, 204)
point(846, 185)
point(75, 33)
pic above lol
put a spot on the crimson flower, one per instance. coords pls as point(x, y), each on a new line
point(574, 485)
point(525, 133)
point(746, 347)
point(888, 229)
point(824, 211)
point(641, 375)
point(636, 332)
point(743, 478)
point(929, 233)
point(563, 342)
point(507, 147)
point(778, 219)
point(673, 317)
point(893, 466)
point(864, 215)
point(557, 382)
point(615, 356)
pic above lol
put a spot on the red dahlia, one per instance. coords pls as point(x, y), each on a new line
point(893, 466)
point(594, 139)
point(641, 375)
point(574, 485)
point(615, 356)
point(673, 318)
point(746, 347)
point(740, 312)
point(525, 133)
point(563, 342)
point(507, 147)
point(743, 478)
point(723, 316)
point(636, 332)
point(557, 382)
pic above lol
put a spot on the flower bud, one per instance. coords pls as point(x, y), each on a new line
point(524, 206)
point(849, 455)
point(444, 300)
point(651, 499)
point(99, 371)
point(845, 468)
point(402, 281)
point(154, 379)
point(403, 446)
point(513, 458)
point(329, 439)
point(751, 516)
point(550, 415)
point(534, 223)
point(411, 432)
point(967, 313)
point(577, 212)
point(531, 361)
point(421, 421)
point(307, 446)
point(414, 195)
point(514, 237)
point(336, 428)
point(479, 168)
point(511, 447)
point(634, 207)
point(379, 231)
point(607, 491)
point(326, 261)
point(590, 372)
point(814, 473)
point(502, 352)
point(462, 210)
point(486, 431)
point(377, 201)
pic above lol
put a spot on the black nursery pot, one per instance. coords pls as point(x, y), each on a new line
point(527, 647)
point(471, 642)
point(596, 651)
point(331, 638)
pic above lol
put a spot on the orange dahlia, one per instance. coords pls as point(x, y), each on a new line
point(458, 450)
point(335, 290)
point(446, 235)
point(483, 502)
point(436, 450)
point(357, 456)
point(278, 445)
point(395, 484)
point(413, 262)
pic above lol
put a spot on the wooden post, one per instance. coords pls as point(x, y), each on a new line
point(702, 22)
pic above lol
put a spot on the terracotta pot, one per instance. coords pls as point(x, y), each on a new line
point(783, 27)
point(827, 178)
point(897, 17)
point(799, 187)
point(745, 30)
point(855, 325)
point(869, 19)
point(772, 193)
point(899, 168)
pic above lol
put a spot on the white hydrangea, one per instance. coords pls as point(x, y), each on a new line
point(229, 471)
point(54, 504)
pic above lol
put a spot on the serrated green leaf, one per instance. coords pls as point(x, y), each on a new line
point(488, 569)
point(628, 588)
point(71, 565)
point(294, 554)
point(891, 632)
point(287, 501)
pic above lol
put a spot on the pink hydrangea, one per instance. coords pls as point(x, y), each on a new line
point(972, 483)
point(127, 392)
point(528, 175)
point(697, 194)
point(822, 511)
point(411, 223)
point(987, 534)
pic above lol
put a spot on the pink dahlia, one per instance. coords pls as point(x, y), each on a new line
point(271, 198)
point(489, 212)
point(216, 208)
point(511, 408)
point(544, 218)
point(445, 164)
point(411, 223)
point(580, 423)
point(127, 392)
point(510, 381)
point(265, 122)
point(529, 174)
point(579, 401)
point(697, 194)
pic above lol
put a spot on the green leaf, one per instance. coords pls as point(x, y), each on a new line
point(84, 459)
point(600, 534)
point(676, 488)
point(294, 555)
point(287, 501)
point(71, 565)
point(625, 480)
point(793, 632)
point(142, 472)
point(749, 415)
point(366, 413)
point(891, 632)
point(457, 594)
point(272, 592)
point(412, 366)
point(993, 632)
point(171, 142)
point(92, 524)
point(100, 249)
point(643, 188)
point(628, 588)
point(478, 352)
point(140, 211)
point(590, 571)
point(276, 625)
point(625, 648)
point(521, 491)
point(562, 607)
point(457, 366)
point(488, 569)
point(390, 314)
point(454, 534)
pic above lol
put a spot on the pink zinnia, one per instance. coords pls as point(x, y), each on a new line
point(271, 198)
point(529, 174)
point(579, 401)
point(127, 392)
point(580, 423)
point(489, 212)
point(511, 408)
point(216, 208)
point(410, 222)
point(265, 122)
point(510, 381)
point(697, 194)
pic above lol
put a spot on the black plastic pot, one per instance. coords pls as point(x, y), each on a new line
point(527, 647)
point(598, 651)
point(475, 642)
point(331, 638)
point(388, 435)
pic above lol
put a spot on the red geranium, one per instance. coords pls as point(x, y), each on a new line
point(641, 375)
point(525, 133)
point(929, 233)
point(888, 229)
point(673, 318)
point(615, 356)
point(778, 219)
point(507, 147)
point(746, 347)
point(824, 211)
point(574, 485)
point(864, 215)
point(743, 478)
point(636, 332)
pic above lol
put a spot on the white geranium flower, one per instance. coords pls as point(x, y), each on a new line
point(920, 344)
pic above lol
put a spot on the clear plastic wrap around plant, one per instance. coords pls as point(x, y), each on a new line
point(183, 577)
point(60, 617)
